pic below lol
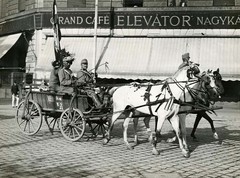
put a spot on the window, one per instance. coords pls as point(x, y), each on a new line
point(223, 2)
point(76, 3)
point(177, 3)
point(21, 5)
point(133, 3)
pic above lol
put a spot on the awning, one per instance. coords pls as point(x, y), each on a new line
point(158, 58)
point(81, 47)
point(149, 58)
point(6, 42)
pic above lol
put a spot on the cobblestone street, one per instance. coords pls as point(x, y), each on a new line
point(47, 155)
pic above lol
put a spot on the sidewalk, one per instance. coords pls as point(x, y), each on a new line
point(6, 108)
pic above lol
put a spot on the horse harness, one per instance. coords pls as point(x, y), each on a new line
point(170, 101)
point(196, 99)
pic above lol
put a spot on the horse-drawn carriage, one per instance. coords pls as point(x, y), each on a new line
point(71, 113)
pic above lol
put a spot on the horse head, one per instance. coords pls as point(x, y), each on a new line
point(208, 84)
point(218, 81)
point(211, 83)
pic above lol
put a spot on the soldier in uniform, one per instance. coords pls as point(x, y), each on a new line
point(66, 77)
point(86, 78)
point(54, 82)
point(185, 58)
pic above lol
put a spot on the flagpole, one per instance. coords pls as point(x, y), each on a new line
point(56, 33)
point(95, 35)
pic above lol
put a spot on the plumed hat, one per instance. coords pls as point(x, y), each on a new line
point(68, 59)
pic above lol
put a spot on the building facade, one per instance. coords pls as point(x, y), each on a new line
point(138, 39)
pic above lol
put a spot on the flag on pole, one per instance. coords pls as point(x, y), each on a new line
point(56, 33)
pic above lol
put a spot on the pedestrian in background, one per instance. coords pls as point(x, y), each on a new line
point(15, 94)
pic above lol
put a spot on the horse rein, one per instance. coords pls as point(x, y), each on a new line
point(203, 89)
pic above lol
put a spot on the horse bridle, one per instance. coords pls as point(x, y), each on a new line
point(204, 88)
point(217, 77)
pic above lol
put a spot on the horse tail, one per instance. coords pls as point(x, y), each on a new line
point(112, 90)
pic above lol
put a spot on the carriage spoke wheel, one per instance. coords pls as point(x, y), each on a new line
point(100, 127)
point(29, 118)
point(72, 124)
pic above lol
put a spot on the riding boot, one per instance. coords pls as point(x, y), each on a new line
point(96, 101)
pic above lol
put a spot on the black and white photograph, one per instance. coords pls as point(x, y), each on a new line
point(120, 88)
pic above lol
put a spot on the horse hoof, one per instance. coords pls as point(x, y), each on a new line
point(193, 136)
point(186, 154)
point(136, 143)
point(215, 135)
point(155, 152)
point(130, 147)
point(150, 138)
point(105, 141)
point(170, 140)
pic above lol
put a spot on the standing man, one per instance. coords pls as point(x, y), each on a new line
point(185, 58)
point(15, 94)
point(86, 78)
point(66, 77)
point(54, 82)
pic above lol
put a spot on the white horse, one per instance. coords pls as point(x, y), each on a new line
point(209, 87)
point(160, 101)
point(205, 85)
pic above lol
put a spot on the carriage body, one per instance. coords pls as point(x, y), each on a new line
point(57, 102)
point(70, 112)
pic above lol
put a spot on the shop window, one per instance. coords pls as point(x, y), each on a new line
point(223, 2)
point(76, 3)
point(21, 5)
point(133, 3)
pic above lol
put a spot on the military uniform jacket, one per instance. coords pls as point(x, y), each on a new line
point(84, 77)
point(54, 79)
point(65, 77)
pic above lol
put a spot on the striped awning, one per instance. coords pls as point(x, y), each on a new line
point(6, 42)
point(149, 57)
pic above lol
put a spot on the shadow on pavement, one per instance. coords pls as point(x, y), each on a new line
point(205, 136)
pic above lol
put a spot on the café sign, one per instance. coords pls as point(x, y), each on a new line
point(150, 20)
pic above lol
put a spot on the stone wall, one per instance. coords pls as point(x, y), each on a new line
point(60, 3)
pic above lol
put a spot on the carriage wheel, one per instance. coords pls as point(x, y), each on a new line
point(100, 127)
point(29, 118)
point(72, 124)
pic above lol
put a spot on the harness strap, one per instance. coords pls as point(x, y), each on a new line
point(147, 96)
point(86, 72)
